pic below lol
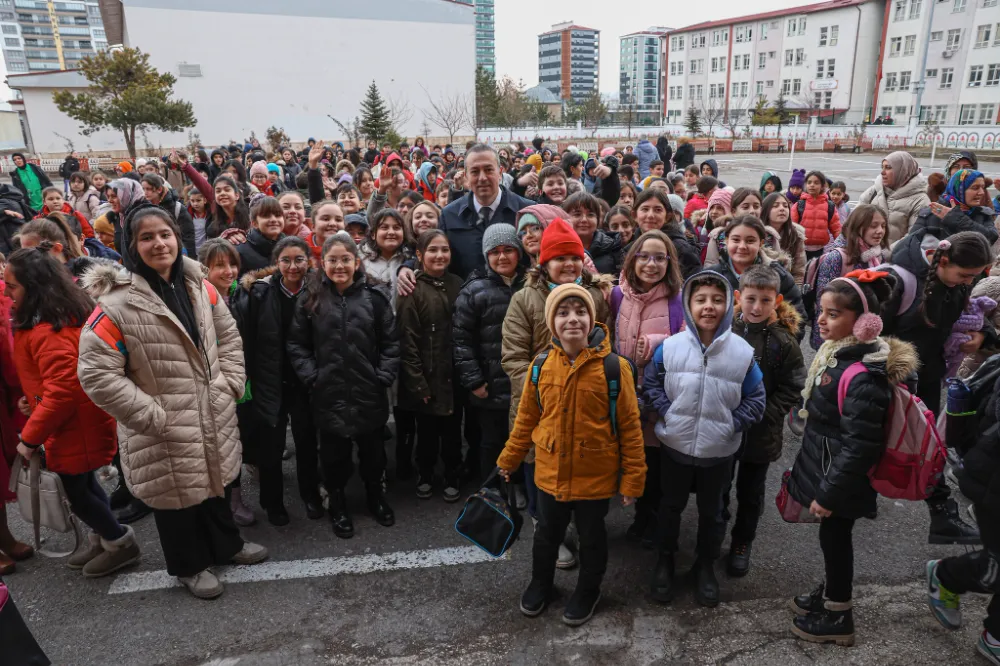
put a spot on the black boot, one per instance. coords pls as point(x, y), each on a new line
point(947, 527)
point(380, 508)
point(833, 624)
point(809, 603)
point(706, 585)
point(581, 606)
point(342, 525)
point(536, 598)
point(136, 510)
point(738, 563)
point(662, 588)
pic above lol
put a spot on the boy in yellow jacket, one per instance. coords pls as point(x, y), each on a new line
point(585, 441)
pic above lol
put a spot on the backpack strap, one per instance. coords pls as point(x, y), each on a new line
point(853, 370)
point(613, 376)
point(213, 294)
point(800, 206)
point(844, 267)
point(616, 302)
point(536, 370)
point(830, 210)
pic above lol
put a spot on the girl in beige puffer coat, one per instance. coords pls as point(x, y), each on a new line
point(161, 353)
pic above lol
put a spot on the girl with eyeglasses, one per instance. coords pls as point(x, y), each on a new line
point(646, 309)
point(263, 306)
point(344, 347)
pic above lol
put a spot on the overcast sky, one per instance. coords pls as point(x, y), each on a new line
point(519, 22)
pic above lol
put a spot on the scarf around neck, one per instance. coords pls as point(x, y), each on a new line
point(826, 354)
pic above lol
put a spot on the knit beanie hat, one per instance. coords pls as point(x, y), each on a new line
point(560, 294)
point(798, 178)
point(722, 198)
point(676, 203)
point(500, 234)
point(540, 214)
point(124, 167)
point(356, 218)
point(258, 167)
point(274, 167)
point(559, 240)
point(608, 151)
point(535, 161)
point(141, 162)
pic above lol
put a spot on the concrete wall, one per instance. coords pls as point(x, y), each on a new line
point(288, 64)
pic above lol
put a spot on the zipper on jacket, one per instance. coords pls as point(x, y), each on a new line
point(701, 401)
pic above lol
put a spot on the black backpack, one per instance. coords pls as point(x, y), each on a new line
point(830, 210)
point(612, 374)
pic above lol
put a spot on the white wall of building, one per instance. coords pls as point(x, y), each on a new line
point(329, 53)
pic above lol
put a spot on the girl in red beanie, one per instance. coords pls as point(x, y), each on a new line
point(525, 333)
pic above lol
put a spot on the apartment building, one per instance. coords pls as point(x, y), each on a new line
point(41, 35)
point(569, 59)
point(941, 62)
point(486, 49)
point(823, 57)
point(641, 71)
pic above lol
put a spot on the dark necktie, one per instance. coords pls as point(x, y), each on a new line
point(484, 217)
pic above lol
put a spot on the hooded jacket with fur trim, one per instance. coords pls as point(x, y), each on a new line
point(779, 357)
point(175, 401)
point(839, 449)
point(903, 204)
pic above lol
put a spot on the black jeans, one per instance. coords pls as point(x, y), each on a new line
point(978, 571)
point(472, 429)
point(836, 541)
point(652, 493)
point(439, 435)
point(198, 537)
point(553, 519)
point(406, 429)
point(495, 429)
point(294, 407)
point(676, 480)
point(337, 456)
point(750, 480)
point(90, 504)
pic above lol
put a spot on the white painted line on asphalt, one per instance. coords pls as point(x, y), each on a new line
point(314, 568)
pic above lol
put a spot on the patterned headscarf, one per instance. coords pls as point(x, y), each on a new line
point(959, 183)
point(128, 192)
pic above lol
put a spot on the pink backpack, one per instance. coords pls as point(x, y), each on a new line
point(914, 455)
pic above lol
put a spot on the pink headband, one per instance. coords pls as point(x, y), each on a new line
point(868, 326)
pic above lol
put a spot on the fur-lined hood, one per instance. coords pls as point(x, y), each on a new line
point(100, 278)
point(263, 275)
point(784, 315)
point(900, 358)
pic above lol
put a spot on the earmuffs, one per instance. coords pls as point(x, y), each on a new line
point(869, 325)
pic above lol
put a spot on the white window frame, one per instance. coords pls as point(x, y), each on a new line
point(947, 78)
point(975, 79)
point(958, 6)
point(983, 34)
point(909, 45)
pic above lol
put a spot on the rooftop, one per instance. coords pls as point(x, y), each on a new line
point(791, 11)
point(542, 94)
point(562, 27)
point(658, 31)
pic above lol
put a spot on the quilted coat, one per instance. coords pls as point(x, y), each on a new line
point(175, 402)
point(346, 352)
point(479, 314)
point(577, 457)
point(78, 436)
point(820, 227)
point(903, 204)
point(426, 347)
point(525, 332)
point(838, 450)
point(980, 477)
point(643, 316)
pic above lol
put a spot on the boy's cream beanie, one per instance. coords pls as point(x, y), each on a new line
point(561, 293)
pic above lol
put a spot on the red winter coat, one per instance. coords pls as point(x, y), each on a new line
point(696, 202)
point(10, 391)
point(78, 436)
point(820, 227)
point(67, 210)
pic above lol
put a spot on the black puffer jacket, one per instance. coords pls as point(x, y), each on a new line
point(606, 251)
point(11, 200)
point(255, 254)
point(687, 251)
point(944, 305)
point(789, 290)
point(346, 351)
point(980, 475)
point(477, 330)
point(838, 450)
point(182, 217)
point(977, 218)
point(684, 156)
point(426, 367)
point(257, 307)
point(779, 357)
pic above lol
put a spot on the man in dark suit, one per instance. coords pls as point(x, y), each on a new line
point(464, 221)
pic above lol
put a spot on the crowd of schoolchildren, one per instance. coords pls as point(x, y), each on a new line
point(592, 325)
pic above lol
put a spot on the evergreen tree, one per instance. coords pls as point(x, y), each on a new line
point(692, 123)
point(487, 97)
point(375, 121)
point(781, 111)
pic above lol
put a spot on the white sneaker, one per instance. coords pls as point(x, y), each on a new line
point(566, 560)
point(252, 553)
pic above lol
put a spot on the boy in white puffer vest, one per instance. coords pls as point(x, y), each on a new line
point(707, 390)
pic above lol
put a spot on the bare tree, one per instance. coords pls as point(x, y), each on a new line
point(738, 116)
point(400, 111)
point(425, 127)
point(712, 113)
point(351, 129)
point(512, 105)
point(450, 112)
